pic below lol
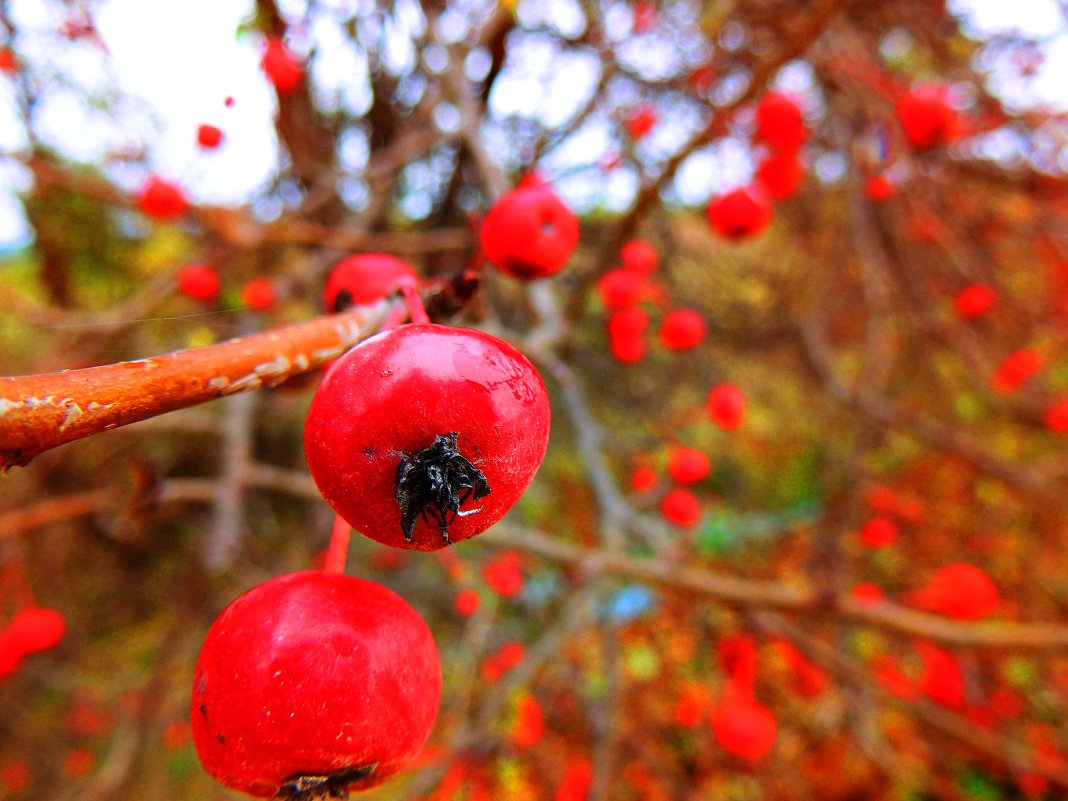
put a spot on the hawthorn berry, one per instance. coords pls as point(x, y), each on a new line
point(259, 294)
point(209, 137)
point(503, 574)
point(879, 188)
point(779, 122)
point(867, 594)
point(781, 175)
point(626, 348)
point(1017, 369)
point(365, 278)
point(529, 232)
point(281, 67)
point(688, 465)
point(640, 121)
point(638, 256)
point(621, 287)
point(1056, 417)
point(742, 725)
point(879, 532)
point(575, 786)
point(940, 679)
point(313, 684)
point(737, 654)
point(974, 301)
point(642, 478)
point(960, 591)
point(726, 406)
point(35, 629)
point(199, 282)
point(466, 602)
point(161, 200)
point(630, 321)
point(739, 214)
point(927, 117)
point(682, 329)
point(681, 508)
point(425, 434)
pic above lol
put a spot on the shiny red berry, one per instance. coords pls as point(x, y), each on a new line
point(365, 278)
point(726, 406)
point(739, 214)
point(161, 200)
point(313, 684)
point(780, 123)
point(35, 629)
point(688, 465)
point(199, 282)
point(529, 232)
point(682, 329)
point(621, 287)
point(426, 434)
point(281, 67)
point(781, 175)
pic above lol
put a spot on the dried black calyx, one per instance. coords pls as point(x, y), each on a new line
point(342, 301)
point(318, 788)
point(435, 483)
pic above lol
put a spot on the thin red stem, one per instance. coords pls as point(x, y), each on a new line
point(416, 310)
point(338, 551)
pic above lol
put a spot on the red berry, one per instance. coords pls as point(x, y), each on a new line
point(781, 175)
point(78, 763)
point(640, 121)
point(682, 329)
point(280, 67)
point(11, 655)
point(638, 256)
point(644, 16)
point(742, 725)
point(879, 188)
point(15, 776)
point(738, 659)
point(161, 200)
point(228, 102)
point(503, 574)
point(974, 301)
point(780, 123)
point(1017, 369)
point(941, 679)
point(413, 404)
point(621, 287)
point(36, 630)
point(209, 136)
point(7, 60)
point(642, 479)
point(726, 406)
point(260, 294)
point(926, 116)
point(529, 725)
point(739, 214)
point(575, 785)
point(681, 508)
point(314, 682)
point(466, 602)
point(628, 322)
point(960, 591)
point(529, 232)
point(688, 465)
point(626, 348)
point(365, 278)
point(199, 282)
point(878, 532)
point(1057, 416)
point(867, 594)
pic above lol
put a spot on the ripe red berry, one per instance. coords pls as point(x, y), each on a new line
point(867, 594)
point(15, 776)
point(688, 465)
point(742, 725)
point(199, 282)
point(740, 214)
point(7, 60)
point(927, 117)
point(575, 786)
point(281, 67)
point(260, 294)
point(626, 348)
point(642, 478)
point(529, 232)
point(314, 683)
point(365, 278)
point(628, 322)
point(737, 655)
point(781, 175)
point(35, 629)
point(621, 287)
point(780, 123)
point(161, 200)
point(960, 591)
point(974, 301)
point(425, 434)
point(879, 188)
point(1018, 368)
point(209, 136)
point(503, 574)
point(466, 602)
point(681, 508)
point(640, 121)
point(726, 406)
point(682, 329)
point(11, 655)
point(529, 723)
point(638, 256)
point(940, 678)
point(879, 532)
point(1056, 417)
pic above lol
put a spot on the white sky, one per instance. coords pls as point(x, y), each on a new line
point(178, 61)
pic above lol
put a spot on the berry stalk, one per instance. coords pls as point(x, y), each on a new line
point(338, 550)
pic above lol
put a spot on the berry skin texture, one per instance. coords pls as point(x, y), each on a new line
point(529, 233)
point(312, 683)
point(389, 399)
point(726, 406)
point(365, 278)
point(740, 214)
point(161, 200)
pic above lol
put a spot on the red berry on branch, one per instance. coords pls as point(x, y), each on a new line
point(940, 678)
point(312, 684)
point(642, 478)
point(688, 465)
point(575, 785)
point(161, 200)
point(199, 282)
point(626, 348)
point(879, 532)
point(1018, 368)
point(867, 594)
point(638, 256)
point(681, 508)
point(1056, 417)
point(365, 278)
point(742, 725)
point(259, 294)
point(726, 406)
point(209, 136)
point(425, 435)
point(35, 629)
point(682, 329)
point(927, 117)
point(621, 287)
point(974, 301)
point(740, 214)
point(780, 123)
point(640, 121)
point(879, 188)
point(781, 175)
point(960, 591)
point(466, 602)
point(529, 723)
point(628, 322)
point(503, 574)
point(529, 232)
point(281, 67)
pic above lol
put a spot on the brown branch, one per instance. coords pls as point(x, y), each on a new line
point(39, 412)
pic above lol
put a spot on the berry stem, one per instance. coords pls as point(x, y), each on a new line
point(338, 550)
point(414, 301)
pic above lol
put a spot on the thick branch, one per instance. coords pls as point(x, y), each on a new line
point(39, 412)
